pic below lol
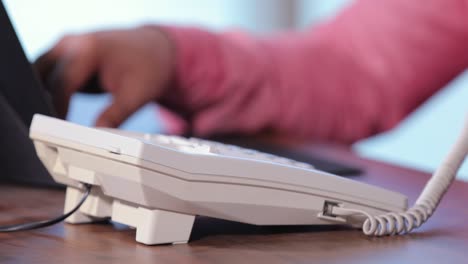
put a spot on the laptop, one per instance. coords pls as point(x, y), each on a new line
point(21, 96)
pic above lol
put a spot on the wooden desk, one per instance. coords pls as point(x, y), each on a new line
point(444, 239)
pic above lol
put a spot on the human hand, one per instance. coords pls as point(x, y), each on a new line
point(135, 66)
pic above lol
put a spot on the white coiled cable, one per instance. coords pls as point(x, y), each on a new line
point(404, 222)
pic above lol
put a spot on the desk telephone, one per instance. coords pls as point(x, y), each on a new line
point(159, 183)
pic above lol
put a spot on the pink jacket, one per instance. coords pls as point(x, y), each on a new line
point(355, 76)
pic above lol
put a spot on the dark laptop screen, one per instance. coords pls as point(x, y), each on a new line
point(21, 96)
point(18, 82)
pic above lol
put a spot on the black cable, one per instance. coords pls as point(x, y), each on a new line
point(45, 223)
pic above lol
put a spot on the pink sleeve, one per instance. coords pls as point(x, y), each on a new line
point(355, 76)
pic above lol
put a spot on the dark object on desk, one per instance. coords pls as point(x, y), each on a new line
point(327, 165)
point(18, 159)
point(21, 96)
point(19, 84)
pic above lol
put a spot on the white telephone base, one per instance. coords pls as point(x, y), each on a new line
point(158, 184)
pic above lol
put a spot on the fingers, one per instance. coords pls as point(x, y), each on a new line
point(124, 103)
point(67, 67)
point(78, 62)
point(116, 113)
point(44, 66)
point(55, 85)
point(133, 65)
point(46, 63)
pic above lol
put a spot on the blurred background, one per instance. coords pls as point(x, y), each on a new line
point(421, 141)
